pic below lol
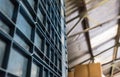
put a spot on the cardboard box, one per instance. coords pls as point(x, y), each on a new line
point(88, 70)
point(95, 70)
point(71, 74)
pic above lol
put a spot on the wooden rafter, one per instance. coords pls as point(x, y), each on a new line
point(115, 48)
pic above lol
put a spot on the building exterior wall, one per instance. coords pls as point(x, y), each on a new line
point(32, 38)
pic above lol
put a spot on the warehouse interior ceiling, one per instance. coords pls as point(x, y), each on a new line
point(93, 34)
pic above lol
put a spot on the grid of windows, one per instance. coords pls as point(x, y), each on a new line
point(30, 38)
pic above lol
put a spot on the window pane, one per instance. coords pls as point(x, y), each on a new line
point(59, 64)
point(17, 64)
point(19, 40)
point(40, 15)
point(52, 55)
point(10, 75)
point(55, 59)
point(38, 41)
point(45, 73)
point(4, 28)
point(32, 3)
point(23, 25)
point(35, 70)
point(7, 10)
point(2, 51)
point(51, 75)
point(46, 50)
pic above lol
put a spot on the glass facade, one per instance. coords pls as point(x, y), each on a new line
point(31, 36)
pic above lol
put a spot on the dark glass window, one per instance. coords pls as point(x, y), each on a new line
point(2, 51)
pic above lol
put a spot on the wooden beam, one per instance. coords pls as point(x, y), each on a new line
point(85, 25)
point(102, 52)
point(72, 19)
point(74, 26)
point(116, 73)
point(115, 48)
point(86, 15)
point(74, 4)
point(69, 2)
point(70, 8)
point(118, 59)
point(88, 29)
point(94, 56)
point(71, 12)
point(80, 19)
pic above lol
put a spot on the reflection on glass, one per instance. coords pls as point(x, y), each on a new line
point(17, 64)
